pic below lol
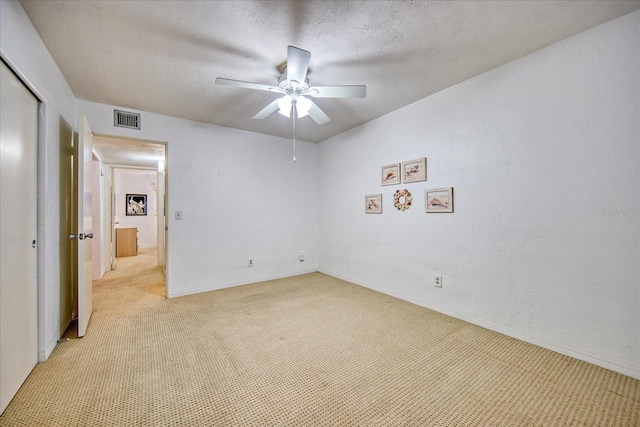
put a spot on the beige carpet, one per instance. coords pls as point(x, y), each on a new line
point(306, 351)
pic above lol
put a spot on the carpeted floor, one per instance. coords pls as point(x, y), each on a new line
point(305, 351)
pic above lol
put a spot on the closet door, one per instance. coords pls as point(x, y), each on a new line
point(18, 293)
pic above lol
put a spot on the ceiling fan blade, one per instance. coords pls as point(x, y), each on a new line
point(317, 114)
point(297, 64)
point(267, 110)
point(350, 91)
point(247, 85)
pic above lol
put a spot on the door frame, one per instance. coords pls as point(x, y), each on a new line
point(161, 220)
point(84, 224)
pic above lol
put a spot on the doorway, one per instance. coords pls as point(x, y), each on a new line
point(128, 169)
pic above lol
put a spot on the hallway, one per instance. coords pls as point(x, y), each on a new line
point(132, 276)
point(137, 280)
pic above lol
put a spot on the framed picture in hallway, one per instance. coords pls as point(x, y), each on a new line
point(136, 204)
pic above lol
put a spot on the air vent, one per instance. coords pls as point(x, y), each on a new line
point(125, 119)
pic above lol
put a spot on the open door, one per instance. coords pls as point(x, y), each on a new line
point(85, 234)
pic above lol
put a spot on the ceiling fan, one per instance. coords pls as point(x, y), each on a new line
point(294, 85)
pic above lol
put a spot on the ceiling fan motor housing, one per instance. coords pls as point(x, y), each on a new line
point(293, 88)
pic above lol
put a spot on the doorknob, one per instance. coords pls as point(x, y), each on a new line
point(88, 236)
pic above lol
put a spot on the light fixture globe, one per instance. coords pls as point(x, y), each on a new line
point(303, 105)
point(284, 105)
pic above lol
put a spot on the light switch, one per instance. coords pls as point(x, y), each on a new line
point(178, 215)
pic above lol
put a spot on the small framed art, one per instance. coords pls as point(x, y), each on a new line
point(136, 204)
point(373, 203)
point(414, 170)
point(439, 200)
point(390, 174)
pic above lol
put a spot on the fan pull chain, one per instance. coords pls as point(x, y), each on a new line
point(293, 117)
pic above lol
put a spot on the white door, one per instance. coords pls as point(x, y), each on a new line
point(85, 235)
point(18, 199)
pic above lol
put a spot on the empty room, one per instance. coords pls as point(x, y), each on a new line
point(319, 213)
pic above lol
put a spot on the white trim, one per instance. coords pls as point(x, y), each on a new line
point(585, 356)
point(43, 356)
point(25, 81)
point(234, 284)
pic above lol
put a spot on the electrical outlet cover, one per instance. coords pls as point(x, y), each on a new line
point(438, 280)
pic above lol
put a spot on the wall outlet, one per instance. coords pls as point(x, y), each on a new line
point(250, 262)
point(438, 281)
point(301, 256)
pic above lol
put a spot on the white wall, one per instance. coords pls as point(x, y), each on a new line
point(101, 218)
point(544, 241)
point(160, 230)
point(97, 220)
point(136, 181)
point(22, 48)
point(240, 195)
point(108, 239)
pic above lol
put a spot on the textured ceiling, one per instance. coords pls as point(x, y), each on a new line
point(128, 152)
point(163, 56)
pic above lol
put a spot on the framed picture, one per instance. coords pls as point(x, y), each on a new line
point(414, 170)
point(390, 174)
point(373, 203)
point(136, 204)
point(439, 200)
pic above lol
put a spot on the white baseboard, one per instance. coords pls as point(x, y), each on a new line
point(44, 355)
point(234, 284)
point(576, 353)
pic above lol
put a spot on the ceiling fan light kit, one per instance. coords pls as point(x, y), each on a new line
point(294, 85)
point(300, 105)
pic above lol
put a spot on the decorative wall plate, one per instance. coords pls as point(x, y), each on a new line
point(402, 199)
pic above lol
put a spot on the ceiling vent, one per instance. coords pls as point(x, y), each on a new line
point(125, 119)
